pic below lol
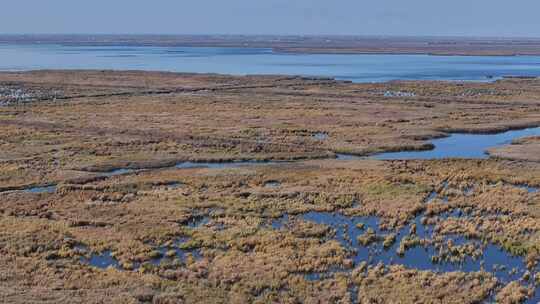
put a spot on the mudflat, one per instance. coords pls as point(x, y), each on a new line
point(187, 188)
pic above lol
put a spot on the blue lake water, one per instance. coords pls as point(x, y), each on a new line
point(240, 61)
point(463, 145)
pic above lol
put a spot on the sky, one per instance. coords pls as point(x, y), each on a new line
point(493, 18)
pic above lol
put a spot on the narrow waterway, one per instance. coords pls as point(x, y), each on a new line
point(459, 145)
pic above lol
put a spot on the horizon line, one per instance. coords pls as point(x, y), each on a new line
point(278, 35)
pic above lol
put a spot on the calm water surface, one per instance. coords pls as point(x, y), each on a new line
point(463, 145)
point(240, 61)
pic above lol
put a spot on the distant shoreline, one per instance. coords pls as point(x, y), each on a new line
point(443, 46)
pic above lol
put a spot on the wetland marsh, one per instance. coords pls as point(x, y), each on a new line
point(187, 188)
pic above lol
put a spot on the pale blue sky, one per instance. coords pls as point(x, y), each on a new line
point(356, 17)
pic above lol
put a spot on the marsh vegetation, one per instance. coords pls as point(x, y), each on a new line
point(175, 188)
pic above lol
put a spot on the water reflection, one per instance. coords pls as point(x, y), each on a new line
point(242, 61)
point(462, 145)
point(422, 252)
point(44, 189)
point(172, 253)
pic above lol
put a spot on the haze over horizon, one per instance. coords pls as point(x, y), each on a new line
point(481, 18)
